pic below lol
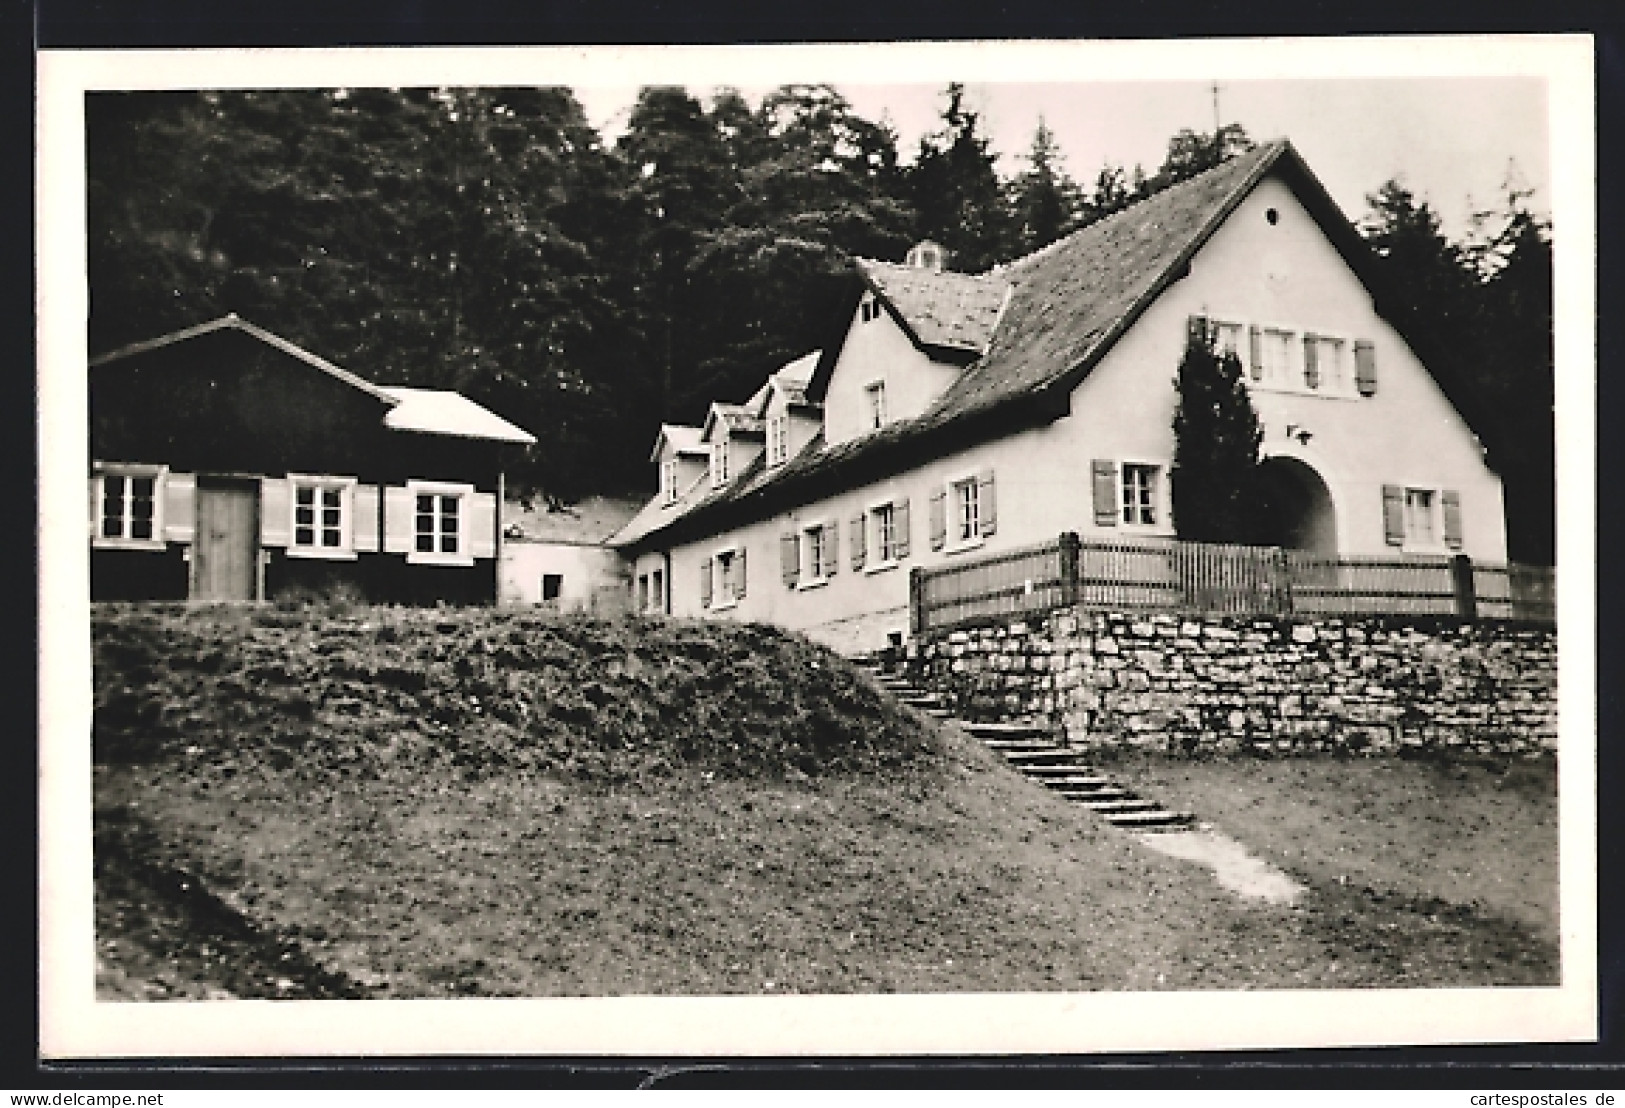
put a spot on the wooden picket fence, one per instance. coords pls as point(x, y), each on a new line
point(1223, 579)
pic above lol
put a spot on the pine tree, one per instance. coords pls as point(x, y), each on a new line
point(956, 190)
point(1045, 202)
point(1216, 441)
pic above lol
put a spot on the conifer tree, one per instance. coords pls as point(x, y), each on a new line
point(1216, 441)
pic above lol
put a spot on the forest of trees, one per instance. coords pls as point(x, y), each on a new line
point(489, 240)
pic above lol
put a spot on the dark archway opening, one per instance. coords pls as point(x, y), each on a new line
point(1296, 507)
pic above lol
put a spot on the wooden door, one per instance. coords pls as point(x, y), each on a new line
point(225, 557)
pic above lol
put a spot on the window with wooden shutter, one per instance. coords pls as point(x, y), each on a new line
point(1451, 499)
point(900, 529)
point(832, 549)
point(1393, 515)
point(987, 506)
point(860, 541)
point(705, 583)
point(1255, 352)
point(1365, 368)
point(1311, 361)
point(1104, 471)
point(739, 573)
point(939, 519)
point(790, 557)
point(482, 525)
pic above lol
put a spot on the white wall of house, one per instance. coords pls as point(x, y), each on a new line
point(879, 350)
point(588, 573)
point(1283, 274)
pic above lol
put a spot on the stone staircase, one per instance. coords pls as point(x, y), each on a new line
point(1033, 752)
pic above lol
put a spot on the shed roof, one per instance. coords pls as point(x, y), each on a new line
point(588, 523)
point(441, 412)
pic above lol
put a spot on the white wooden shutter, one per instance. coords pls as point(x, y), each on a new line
point(705, 583)
point(939, 518)
point(364, 519)
point(987, 504)
point(398, 525)
point(1393, 515)
point(482, 525)
point(900, 528)
point(180, 507)
point(1451, 499)
point(860, 541)
point(1365, 367)
point(1104, 471)
point(276, 511)
point(790, 557)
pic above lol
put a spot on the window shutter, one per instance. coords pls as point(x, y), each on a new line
point(398, 531)
point(276, 510)
point(1311, 362)
point(180, 507)
point(95, 506)
point(832, 547)
point(1451, 499)
point(1365, 368)
point(900, 528)
point(705, 583)
point(1255, 352)
point(1105, 481)
point(364, 519)
point(739, 560)
point(482, 525)
point(789, 558)
point(939, 519)
point(860, 542)
point(987, 504)
point(1196, 330)
point(1393, 515)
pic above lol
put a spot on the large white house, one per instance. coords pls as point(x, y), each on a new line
point(962, 415)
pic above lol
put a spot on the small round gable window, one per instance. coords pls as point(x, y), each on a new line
point(1272, 216)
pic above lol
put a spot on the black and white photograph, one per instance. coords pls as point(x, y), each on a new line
point(981, 547)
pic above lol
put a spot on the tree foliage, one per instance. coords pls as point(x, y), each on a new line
point(1216, 440)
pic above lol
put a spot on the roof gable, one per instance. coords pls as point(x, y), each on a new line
point(682, 440)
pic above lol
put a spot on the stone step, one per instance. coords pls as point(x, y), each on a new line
point(1161, 819)
point(1078, 781)
point(1123, 803)
point(1058, 756)
point(1094, 798)
point(1064, 769)
point(1007, 731)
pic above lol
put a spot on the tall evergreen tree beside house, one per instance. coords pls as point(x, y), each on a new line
point(955, 188)
point(1045, 202)
point(1217, 434)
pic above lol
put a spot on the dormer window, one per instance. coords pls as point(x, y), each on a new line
point(869, 309)
point(926, 255)
point(778, 439)
point(719, 465)
point(874, 403)
point(668, 481)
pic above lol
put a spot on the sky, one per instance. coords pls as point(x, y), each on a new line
point(1453, 141)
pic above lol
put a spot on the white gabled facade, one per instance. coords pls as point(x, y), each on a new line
point(1375, 426)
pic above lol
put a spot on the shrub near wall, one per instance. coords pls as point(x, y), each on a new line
point(1224, 684)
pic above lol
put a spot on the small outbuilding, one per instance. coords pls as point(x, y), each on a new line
point(228, 464)
point(557, 557)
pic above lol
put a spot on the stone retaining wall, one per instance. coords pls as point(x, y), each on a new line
point(1225, 684)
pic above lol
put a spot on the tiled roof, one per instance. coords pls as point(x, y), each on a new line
point(590, 522)
point(953, 310)
point(737, 417)
point(1067, 304)
point(439, 412)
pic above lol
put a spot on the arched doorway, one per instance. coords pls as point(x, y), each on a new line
point(1297, 507)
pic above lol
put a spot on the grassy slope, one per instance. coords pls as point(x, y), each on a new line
point(427, 804)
